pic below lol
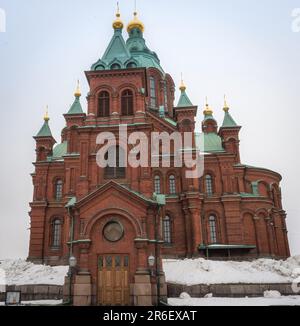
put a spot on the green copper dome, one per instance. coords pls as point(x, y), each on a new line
point(132, 54)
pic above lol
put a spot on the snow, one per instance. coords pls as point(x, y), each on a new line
point(272, 294)
point(200, 271)
point(20, 272)
point(227, 302)
point(184, 295)
point(39, 303)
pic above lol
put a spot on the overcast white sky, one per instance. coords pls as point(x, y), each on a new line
point(243, 48)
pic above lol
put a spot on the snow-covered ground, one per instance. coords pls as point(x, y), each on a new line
point(201, 271)
point(39, 303)
point(20, 272)
point(246, 302)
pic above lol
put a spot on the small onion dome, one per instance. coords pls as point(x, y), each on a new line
point(78, 91)
point(135, 23)
point(226, 107)
point(208, 111)
point(46, 116)
point(182, 86)
point(118, 23)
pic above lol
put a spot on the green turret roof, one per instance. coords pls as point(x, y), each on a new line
point(76, 107)
point(45, 130)
point(228, 121)
point(184, 100)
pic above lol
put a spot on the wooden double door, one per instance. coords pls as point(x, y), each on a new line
point(113, 280)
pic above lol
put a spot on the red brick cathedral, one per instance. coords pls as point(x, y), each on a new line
point(119, 221)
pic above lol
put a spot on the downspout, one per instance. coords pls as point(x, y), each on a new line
point(156, 256)
point(70, 254)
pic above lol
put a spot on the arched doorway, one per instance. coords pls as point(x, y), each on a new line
point(114, 252)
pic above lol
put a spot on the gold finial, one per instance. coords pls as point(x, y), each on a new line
point(182, 85)
point(46, 116)
point(135, 23)
point(77, 92)
point(118, 23)
point(226, 107)
point(208, 110)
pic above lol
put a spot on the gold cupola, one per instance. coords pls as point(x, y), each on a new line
point(46, 116)
point(78, 91)
point(207, 111)
point(118, 23)
point(226, 107)
point(135, 23)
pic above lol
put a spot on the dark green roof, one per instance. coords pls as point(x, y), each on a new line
point(60, 150)
point(133, 53)
point(184, 100)
point(45, 130)
point(228, 121)
point(76, 107)
point(209, 142)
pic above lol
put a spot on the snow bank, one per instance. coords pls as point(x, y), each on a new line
point(20, 272)
point(201, 271)
point(242, 302)
point(272, 294)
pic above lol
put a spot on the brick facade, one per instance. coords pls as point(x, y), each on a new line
point(245, 201)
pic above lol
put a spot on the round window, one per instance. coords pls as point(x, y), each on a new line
point(113, 231)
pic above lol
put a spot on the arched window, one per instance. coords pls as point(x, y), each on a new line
point(167, 229)
point(115, 66)
point(59, 190)
point(116, 168)
point(131, 65)
point(157, 185)
point(127, 102)
point(209, 185)
point(56, 233)
point(152, 93)
point(104, 103)
point(172, 185)
point(213, 229)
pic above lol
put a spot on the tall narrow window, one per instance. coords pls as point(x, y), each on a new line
point(104, 103)
point(152, 93)
point(116, 163)
point(166, 96)
point(157, 187)
point(127, 102)
point(56, 233)
point(167, 230)
point(213, 229)
point(58, 190)
point(209, 185)
point(172, 185)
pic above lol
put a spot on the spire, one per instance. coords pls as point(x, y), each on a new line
point(184, 100)
point(78, 91)
point(118, 23)
point(228, 120)
point(46, 116)
point(226, 107)
point(208, 112)
point(76, 107)
point(45, 131)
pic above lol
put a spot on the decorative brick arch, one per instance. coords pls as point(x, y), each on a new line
point(114, 211)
